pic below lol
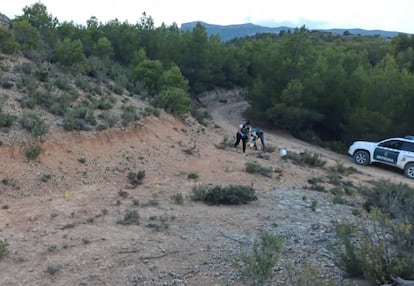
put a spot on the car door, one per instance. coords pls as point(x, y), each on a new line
point(407, 153)
point(388, 151)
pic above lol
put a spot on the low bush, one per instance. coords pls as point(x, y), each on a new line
point(135, 179)
point(6, 119)
point(270, 148)
point(307, 275)
point(32, 152)
point(340, 168)
point(178, 198)
point(225, 143)
point(231, 195)
point(256, 264)
point(385, 246)
point(79, 117)
point(109, 118)
point(254, 168)
point(131, 217)
point(307, 158)
point(4, 248)
point(129, 114)
point(105, 102)
point(192, 176)
point(33, 123)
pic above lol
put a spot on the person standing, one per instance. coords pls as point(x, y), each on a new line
point(256, 134)
point(243, 134)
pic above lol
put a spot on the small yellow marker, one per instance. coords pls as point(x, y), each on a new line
point(267, 188)
point(65, 194)
point(157, 186)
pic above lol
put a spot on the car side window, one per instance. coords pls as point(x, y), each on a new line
point(408, 146)
point(393, 144)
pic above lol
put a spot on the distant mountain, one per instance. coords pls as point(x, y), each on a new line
point(228, 32)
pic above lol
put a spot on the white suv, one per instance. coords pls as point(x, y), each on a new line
point(398, 152)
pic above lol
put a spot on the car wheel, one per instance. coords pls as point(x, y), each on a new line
point(409, 170)
point(361, 157)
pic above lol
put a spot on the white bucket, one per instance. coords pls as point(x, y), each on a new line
point(283, 152)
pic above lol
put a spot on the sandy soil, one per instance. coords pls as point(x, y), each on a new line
point(62, 214)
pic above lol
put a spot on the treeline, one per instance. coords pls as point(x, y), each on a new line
point(320, 87)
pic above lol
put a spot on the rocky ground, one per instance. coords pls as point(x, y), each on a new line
point(65, 219)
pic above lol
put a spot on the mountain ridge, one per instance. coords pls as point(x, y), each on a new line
point(228, 32)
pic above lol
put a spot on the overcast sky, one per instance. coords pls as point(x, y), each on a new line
point(389, 15)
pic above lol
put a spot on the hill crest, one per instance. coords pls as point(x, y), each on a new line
point(228, 32)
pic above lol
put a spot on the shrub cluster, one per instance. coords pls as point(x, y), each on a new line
point(33, 123)
point(307, 158)
point(4, 248)
point(6, 119)
point(254, 168)
point(256, 264)
point(32, 152)
point(130, 217)
point(386, 246)
point(135, 179)
point(230, 195)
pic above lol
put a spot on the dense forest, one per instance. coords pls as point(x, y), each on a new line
point(325, 88)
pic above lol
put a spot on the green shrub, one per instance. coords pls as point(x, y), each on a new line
point(6, 120)
point(34, 124)
point(376, 251)
point(5, 83)
point(256, 264)
point(307, 276)
point(310, 159)
point(32, 152)
point(129, 114)
point(254, 168)
point(341, 169)
point(61, 104)
point(53, 269)
point(135, 179)
point(397, 200)
point(193, 176)
point(156, 112)
point(178, 198)
point(27, 82)
point(109, 118)
point(225, 143)
point(270, 148)
point(131, 217)
point(101, 127)
point(174, 100)
point(105, 102)
point(63, 83)
point(78, 118)
point(199, 193)
point(232, 194)
point(4, 248)
point(45, 177)
point(313, 205)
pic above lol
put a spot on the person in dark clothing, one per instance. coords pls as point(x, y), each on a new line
point(243, 134)
point(256, 134)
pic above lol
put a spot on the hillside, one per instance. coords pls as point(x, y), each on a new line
point(65, 214)
point(229, 32)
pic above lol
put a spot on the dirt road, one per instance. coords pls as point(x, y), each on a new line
point(227, 112)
